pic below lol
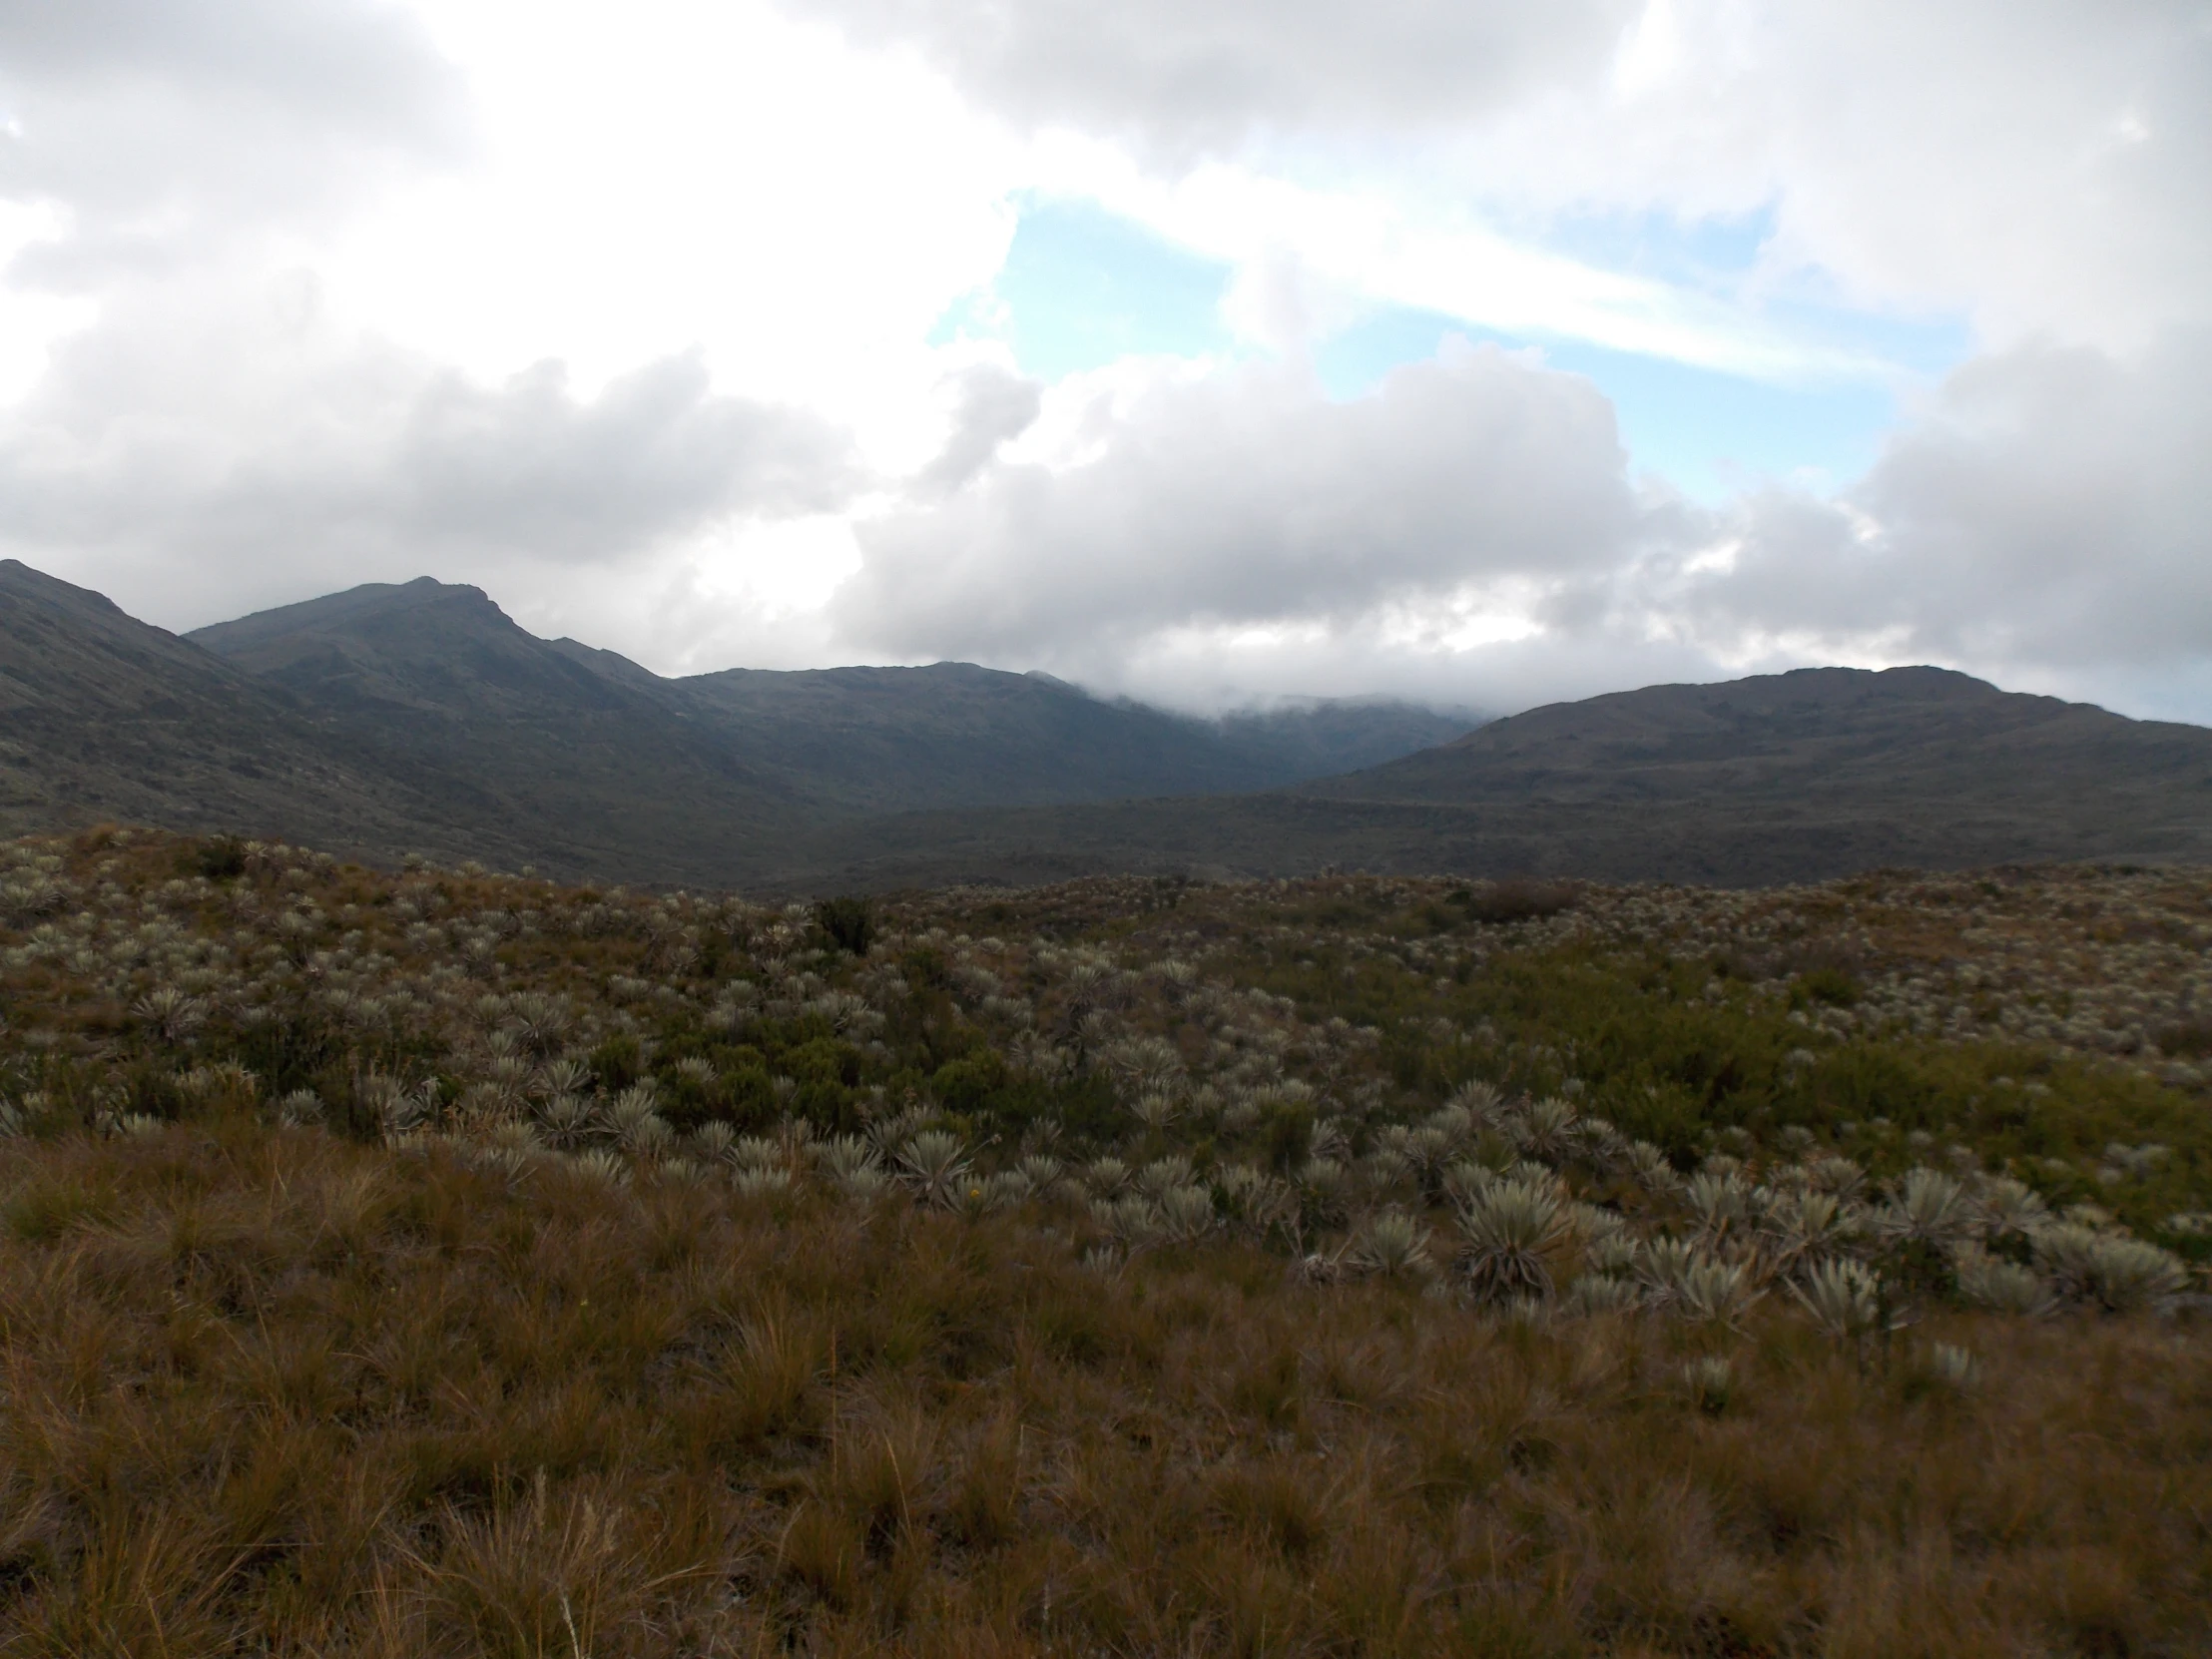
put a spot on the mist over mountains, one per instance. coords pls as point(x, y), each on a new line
point(396, 718)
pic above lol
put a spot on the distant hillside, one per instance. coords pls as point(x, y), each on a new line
point(1319, 738)
point(440, 673)
point(588, 774)
point(1792, 777)
point(886, 740)
point(1848, 738)
point(392, 718)
point(103, 717)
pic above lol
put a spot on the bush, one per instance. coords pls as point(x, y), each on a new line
point(221, 859)
point(848, 923)
point(1518, 898)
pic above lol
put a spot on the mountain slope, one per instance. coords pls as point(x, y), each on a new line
point(598, 764)
point(1778, 777)
point(104, 717)
point(878, 740)
point(1829, 733)
point(441, 672)
point(593, 774)
point(1909, 759)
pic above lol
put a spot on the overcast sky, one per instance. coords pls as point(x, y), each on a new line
point(1208, 350)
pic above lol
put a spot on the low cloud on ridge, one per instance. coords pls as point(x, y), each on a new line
point(2046, 519)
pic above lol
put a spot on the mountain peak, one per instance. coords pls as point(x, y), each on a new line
point(358, 611)
point(423, 644)
point(19, 578)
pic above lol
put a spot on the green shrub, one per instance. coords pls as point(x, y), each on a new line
point(848, 923)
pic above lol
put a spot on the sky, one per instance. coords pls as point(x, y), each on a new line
point(1208, 351)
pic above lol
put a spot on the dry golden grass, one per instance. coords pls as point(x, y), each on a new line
point(269, 1392)
point(443, 1262)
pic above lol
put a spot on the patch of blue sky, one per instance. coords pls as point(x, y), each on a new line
point(1714, 254)
point(1710, 432)
point(1920, 347)
point(1082, 287)
point(1714, 435)
point(1723, 257)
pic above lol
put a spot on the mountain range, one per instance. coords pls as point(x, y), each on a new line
point(1794, 777)
point(418, 716)
point(441, 672)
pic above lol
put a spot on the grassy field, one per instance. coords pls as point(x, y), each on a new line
point(445, 1261)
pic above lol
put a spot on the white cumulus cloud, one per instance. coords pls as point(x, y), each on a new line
point(200, 467)
point(1246, 498)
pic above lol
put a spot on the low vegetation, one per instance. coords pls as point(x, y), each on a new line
point(445, 1262)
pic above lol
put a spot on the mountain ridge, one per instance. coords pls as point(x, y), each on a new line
point(108, 717)
point(1778, 777)
point(419, 715)
point(848, 741)
point(1756, 724)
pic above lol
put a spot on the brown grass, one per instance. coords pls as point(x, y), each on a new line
point(269, 1392)
point(414, 1382)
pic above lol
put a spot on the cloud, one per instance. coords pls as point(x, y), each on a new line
point(1469, 534)
point(2037, 168)
point(1183, 78)
point(2049, 519)
point(1246, 500)
point(166, 129)
point(350, 301)
point(278, 451)
point(1208, 669)
point(992, 405)
point(527, 466)
point(316, 267)
point(2034, 166)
